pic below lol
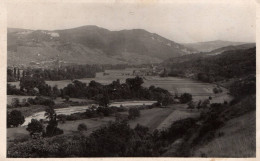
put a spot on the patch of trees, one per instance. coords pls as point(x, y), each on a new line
point(132, 89)
point(65, 72)
point(36, 86)
point(62, 73)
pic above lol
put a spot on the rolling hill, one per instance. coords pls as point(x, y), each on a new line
point(212, 45)
point(90, 45)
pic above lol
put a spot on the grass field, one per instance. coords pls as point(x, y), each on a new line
point(159, 118)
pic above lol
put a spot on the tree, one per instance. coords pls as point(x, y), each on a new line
point(134, 83)
point(15, 118)
point(49, 113)
point(52, 129)
point(35, 126)
point(133, 113)
point(103, 100)
point(185, 98)
point(82, 127)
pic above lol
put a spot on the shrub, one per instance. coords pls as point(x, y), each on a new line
point(185, 98)
point(82, 127)
point(35, 126)
point(15, 118)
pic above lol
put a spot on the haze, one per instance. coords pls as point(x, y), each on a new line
point(180, 22)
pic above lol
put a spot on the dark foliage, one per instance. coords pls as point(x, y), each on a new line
point(185, 98)
point(15, 118)
point(82, 127)
point(229, 64)
point(35, 126)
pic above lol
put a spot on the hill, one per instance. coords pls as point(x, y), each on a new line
point(229, 64)
point(90, 45)
point(211, 45)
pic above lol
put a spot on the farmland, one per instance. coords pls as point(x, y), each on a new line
point(174, 85)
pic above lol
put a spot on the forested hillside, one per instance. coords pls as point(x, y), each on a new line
point(229, 64)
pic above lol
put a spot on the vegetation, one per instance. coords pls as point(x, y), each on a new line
point(52, 127)
point(229, 64)
point(35, 126)
point(185, 98)
point(15, 118)
point(132, 89)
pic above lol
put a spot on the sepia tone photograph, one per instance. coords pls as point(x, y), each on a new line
point(131, 79)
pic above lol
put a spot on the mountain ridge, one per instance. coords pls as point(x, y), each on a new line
point(91, 45)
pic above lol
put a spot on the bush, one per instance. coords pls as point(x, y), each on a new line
point(82, 127)
point(35, 126)
point(185, 98)
point(105, 110)
point(15, 118)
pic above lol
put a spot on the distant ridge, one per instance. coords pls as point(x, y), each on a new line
point(91, 45)
point(211, 45)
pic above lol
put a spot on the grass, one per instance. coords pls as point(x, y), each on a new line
point(239, 139)
point(159, 118)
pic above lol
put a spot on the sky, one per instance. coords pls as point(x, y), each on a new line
point(180, 22)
